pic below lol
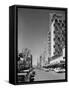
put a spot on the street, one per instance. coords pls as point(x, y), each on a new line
point(51, 75)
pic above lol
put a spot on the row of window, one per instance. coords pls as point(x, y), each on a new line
point(59, 34)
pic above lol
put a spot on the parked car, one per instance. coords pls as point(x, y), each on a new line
point(59, 70)
point(52, 69)
point(46, 69)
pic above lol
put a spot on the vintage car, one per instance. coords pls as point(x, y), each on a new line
point(26, 75)
point(46, 69)
point(59, 70)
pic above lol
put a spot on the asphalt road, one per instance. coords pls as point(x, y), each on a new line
point(51, 75)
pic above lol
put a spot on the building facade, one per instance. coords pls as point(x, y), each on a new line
point(56, 38)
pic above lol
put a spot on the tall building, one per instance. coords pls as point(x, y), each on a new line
point(56, 38)
point(43, 59)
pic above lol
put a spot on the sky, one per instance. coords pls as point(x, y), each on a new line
point(33, 26)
